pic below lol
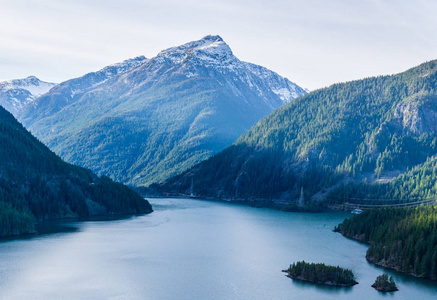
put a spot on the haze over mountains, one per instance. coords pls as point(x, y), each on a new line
point(374, 138)
point(142, 121)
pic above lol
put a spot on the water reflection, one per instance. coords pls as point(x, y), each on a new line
point(321, 287)
point(401, 278)
point(191, 249)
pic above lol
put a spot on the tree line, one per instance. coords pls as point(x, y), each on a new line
point(404, 239)
point(344, 132)
point(321, 273)
point(36, 185)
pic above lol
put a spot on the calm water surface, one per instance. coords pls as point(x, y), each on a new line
point(192, 249)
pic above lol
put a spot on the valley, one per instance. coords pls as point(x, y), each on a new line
point(323, 148)
point(143, 121)
point(218, 149)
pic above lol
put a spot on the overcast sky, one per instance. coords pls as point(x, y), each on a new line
point(314, 43)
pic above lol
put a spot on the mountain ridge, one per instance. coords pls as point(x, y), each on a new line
point(329, 137)
point(67, 92)
point(171, 111)
point(36, 185)
point(16, 93)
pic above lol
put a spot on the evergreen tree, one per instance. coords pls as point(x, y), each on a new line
point(36, 185)
point(401, 238)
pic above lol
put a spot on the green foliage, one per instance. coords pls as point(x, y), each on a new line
point(416, 186)
point(320, 273)
point(150, 124)
point(371, 126)
point(383, 283)
point(404, 239)
point(37, 185)
point(117, 197)
point(15, 222)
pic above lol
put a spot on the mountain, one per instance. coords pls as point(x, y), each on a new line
point(37, 185)
point(374, 138)
point(161, 117)
point(16, 93)
point(71, 91)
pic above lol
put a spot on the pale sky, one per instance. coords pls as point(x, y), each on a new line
point(314, 43)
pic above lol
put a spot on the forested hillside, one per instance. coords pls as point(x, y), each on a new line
point(158, 118)
point(376, 135)
point(404, 239)
point(37, 185)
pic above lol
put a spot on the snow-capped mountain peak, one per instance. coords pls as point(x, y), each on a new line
point(212, 54)
point(31, 84)
point(16, 93)
point(209, 49)
point(191, 100)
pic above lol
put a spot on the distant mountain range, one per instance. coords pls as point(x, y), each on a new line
point(36, 185)
point(371, 141)
point(145, 120)
point(15, 94)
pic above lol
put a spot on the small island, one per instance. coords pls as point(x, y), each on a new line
point(321, 274)
point(384, 284)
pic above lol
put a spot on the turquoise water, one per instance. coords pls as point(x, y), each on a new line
point(192, 249)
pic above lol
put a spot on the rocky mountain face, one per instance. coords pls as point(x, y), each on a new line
point(373, 138)
point(16, 93)
point(212, 52)
point(418, 114)
point(160, 117)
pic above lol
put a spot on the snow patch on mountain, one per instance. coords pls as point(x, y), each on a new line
point(91, 80)
point(284, 94)
point(31, 84)
point(281, 86)
point(212, 52)
point(142, 103)
point(16, 93)
point(123, 67)
point(209, 50)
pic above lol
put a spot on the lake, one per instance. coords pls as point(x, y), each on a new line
point(192, 249)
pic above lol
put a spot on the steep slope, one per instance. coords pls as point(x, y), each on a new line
point(36, 185)
point(363, 132)
point(70, 91)
point(162, 117)
point(16, 93)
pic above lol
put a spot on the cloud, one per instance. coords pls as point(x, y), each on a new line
point(313, 42)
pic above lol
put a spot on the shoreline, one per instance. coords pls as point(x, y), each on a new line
point(329, 283)
point(38, 230)
point(257, 203)
point(370, 260)
point(384, 290)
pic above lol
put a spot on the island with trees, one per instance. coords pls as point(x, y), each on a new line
point(403, 239)
point(385, 284)
point(321, 274)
